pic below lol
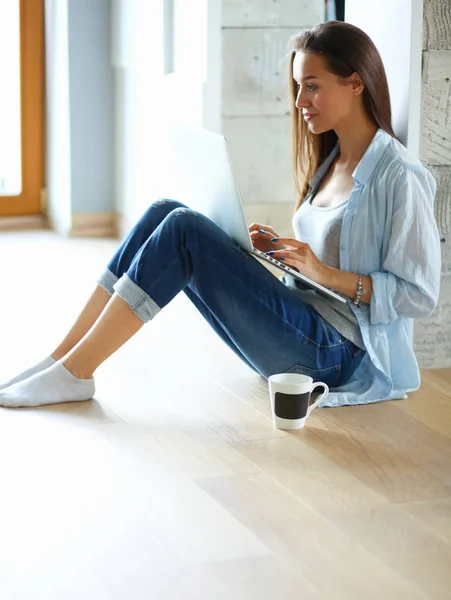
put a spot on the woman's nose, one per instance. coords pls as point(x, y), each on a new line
point(302, 101)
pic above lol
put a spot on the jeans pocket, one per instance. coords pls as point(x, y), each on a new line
point(332, 337)
point(331, 375)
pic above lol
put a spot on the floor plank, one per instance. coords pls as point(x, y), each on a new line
point(435, 413)
point(333, 564)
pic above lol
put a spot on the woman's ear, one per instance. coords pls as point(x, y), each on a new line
point(357, 84)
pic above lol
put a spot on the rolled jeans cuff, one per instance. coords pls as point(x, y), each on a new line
point(107, 281)
point(141, 303)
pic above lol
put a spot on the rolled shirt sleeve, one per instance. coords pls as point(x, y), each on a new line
point(408, 284)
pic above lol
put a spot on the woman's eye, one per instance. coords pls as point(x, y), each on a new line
point(311, 87)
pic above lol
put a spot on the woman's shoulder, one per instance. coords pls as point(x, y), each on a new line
point(399, 161)
point(399, 177)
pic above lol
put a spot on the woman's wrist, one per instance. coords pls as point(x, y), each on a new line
point(345, 283)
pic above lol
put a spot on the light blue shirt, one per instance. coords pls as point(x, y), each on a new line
point(388, 232)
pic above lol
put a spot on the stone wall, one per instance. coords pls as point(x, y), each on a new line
point(432, 339)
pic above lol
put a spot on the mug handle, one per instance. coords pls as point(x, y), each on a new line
point(320, 398)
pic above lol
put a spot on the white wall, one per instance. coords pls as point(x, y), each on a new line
point(79, 111)
point(57, 115)
point(396, 29)
point(147, 99)
point(212, 85)
point(91, 107)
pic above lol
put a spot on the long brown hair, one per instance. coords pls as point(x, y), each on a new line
point(345, 49)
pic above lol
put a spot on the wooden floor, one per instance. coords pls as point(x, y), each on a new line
point(173, 484)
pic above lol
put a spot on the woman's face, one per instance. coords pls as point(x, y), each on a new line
point(324, 102)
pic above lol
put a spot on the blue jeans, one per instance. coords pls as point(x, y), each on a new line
point(173, 248)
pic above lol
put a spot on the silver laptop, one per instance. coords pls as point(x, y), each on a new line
point(200, 174)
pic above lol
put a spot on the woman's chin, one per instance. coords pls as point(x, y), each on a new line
point(316, 127)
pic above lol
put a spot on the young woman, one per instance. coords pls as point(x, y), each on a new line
point(364, 226)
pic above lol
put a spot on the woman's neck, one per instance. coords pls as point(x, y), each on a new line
point(354, 139)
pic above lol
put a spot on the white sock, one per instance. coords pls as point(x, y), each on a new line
point(55, 384)
point(40, 366)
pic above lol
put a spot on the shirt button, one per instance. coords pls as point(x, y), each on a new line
point(342, 247)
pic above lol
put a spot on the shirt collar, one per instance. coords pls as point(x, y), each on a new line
point(367, 163)
point(372, 156)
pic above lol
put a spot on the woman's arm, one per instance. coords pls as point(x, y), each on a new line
point(346, 283)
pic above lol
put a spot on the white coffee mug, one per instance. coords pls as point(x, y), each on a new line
point(290, 396)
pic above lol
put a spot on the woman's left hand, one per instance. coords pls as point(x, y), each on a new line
point(299, 255)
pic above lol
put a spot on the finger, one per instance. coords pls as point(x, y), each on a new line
point(259, 233)
point(286, 254)
point(256, 226)
point(265, 229)
point(291, 259)
point(256, 236)
point(289, 242)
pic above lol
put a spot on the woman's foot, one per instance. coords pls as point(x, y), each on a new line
point(40, 366)
point(55, 384)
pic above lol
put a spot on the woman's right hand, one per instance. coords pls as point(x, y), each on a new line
point(261, 236)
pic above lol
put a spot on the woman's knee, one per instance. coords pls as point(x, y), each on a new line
point(168, 204)
point(157, 212)
point(185, 221)
point(164, 206)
